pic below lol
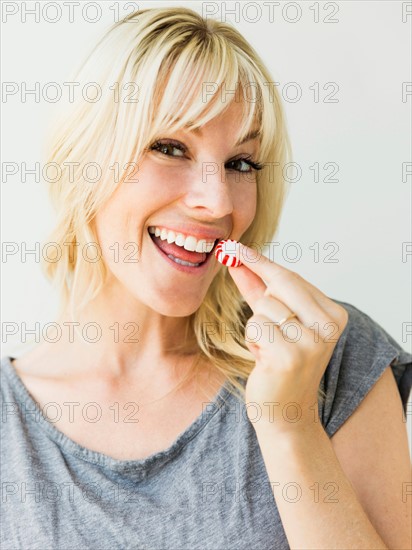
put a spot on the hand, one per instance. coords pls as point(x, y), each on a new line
point(290, 360)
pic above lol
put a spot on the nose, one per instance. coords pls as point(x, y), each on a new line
point(209, 190)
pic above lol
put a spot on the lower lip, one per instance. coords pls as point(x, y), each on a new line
point(202, 268)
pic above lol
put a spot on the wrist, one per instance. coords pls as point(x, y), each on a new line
point(285, 418)
point(287, 431)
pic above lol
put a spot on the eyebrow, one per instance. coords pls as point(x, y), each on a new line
point(253, 134)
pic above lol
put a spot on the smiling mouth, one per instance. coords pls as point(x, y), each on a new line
point(180, 255)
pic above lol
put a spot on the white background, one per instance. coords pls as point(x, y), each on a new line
point(366, 133)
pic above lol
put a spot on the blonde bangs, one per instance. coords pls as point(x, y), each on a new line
point(200, 83)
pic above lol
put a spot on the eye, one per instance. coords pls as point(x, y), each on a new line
point(166, 146)
point(244, 165)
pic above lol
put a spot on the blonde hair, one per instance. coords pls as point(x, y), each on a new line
point(170, 53)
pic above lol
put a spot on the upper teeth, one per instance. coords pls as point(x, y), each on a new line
point(188, 242)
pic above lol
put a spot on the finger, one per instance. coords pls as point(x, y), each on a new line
point(313, 308)
point(268, 269)
point(273, 309)
point(261, 335)
point(259, 264)
point(278, 317)
point(338, 316)
point(286, 286)
point(250, 285)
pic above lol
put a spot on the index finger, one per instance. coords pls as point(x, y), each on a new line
point(283, 284)
point(258, 263)
point(270, 270)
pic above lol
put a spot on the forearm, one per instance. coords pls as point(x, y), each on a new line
point(317, 504)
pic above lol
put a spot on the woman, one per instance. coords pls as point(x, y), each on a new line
point(211, 407)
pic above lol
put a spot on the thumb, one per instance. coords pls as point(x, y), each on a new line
point(249, 284)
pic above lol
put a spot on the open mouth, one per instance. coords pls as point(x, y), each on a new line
point(180, 255)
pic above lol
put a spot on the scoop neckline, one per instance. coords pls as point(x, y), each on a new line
point(139, 466)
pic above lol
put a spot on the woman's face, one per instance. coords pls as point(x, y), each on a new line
point(193, 183)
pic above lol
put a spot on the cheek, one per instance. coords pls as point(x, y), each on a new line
point(122, 219)
point(109, 234)
point(138, 196)
point(117, 227)
point(154, 186)
point(245, 204)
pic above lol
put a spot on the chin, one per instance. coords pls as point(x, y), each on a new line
point(171, 309)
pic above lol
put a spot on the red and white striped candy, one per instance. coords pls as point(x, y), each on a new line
point(227, 254)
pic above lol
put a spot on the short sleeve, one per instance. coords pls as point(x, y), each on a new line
point(361, 355)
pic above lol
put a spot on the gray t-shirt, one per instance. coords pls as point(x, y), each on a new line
point(208, 491)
